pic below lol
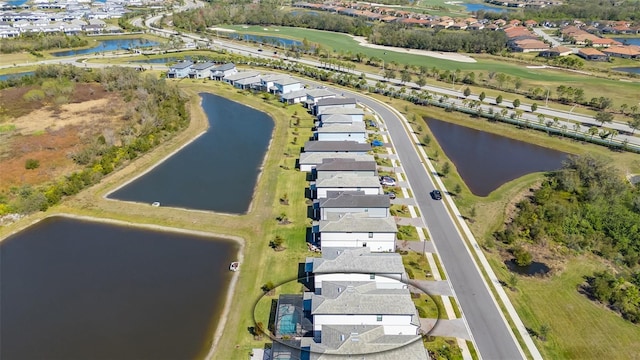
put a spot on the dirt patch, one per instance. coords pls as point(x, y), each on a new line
point(51, 134)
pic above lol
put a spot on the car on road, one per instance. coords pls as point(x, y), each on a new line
point(436, 195)
point(387, 181)
point(391, 195)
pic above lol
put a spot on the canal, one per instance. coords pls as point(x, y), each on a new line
point(486, 161)
point(218, 171)
point(108, 45)
point(76, 289)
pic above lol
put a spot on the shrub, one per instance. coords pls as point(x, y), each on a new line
point(31, 164)
point(34, 95)
point(422, 313)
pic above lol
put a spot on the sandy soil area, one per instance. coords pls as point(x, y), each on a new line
point(434, 54)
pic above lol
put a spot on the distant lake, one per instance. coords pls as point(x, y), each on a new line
point(634, 70)
point(486, 161)
point(15, 75)
point(629, 40)
point(218, 171)
point(14, 2)
point(486, 8)
point(76, 290)
point(267, 40)
point(108, 45)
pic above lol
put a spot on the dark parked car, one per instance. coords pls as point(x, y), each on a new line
point(391, 195)
point(436, 195)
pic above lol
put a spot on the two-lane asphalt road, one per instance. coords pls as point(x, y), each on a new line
point(491, 333)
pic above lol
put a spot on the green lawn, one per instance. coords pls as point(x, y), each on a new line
point(417, 266)
point(580, 328)
point(432, 307)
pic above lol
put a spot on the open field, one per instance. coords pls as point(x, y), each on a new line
point(580, 328)
point(596, 331)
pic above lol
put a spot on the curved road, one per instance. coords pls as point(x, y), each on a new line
point(492, 335)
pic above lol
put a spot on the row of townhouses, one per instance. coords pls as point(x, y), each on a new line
point(358, 303)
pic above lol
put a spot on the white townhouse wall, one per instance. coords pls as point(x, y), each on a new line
point(287, 85)
point(370, 185)
point(348, 303)
point(340, 203)
point(357, 265)
point(356, 114)
point(357, 230)
point(342, 132)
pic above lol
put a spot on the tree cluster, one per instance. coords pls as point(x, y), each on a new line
point(586, 206)
point(398, 35)
point(587, 9)
point(156, 111)
point(620, 292)
point(38, 42)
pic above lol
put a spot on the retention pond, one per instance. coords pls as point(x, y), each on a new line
point(486, 161)
point(216, 172)
point(76, 289)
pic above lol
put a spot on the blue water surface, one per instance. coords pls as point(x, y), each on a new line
point(108, 45)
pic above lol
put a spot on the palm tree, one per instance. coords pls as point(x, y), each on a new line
point(612, 133)
point(576, 127)
point(541, 119)
point(593, 131)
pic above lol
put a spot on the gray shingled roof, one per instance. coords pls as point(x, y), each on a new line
point(337, 118)
point(361, 298)
point(202, 66)
point(341, 110)
point(336, 146)
point(320, 93)
point(349, 180)
point(342, 128)
point(286, 81)
point(358, 223)
point(247, 81)
point(370, 340)
point(181, 65)
point(318, 158)
point(336, 101)
point(333, 164)
point(349, 200)
point(294, 94)
point(242, 75)
point(224, 67)
point(359, 260)
point(273, 77)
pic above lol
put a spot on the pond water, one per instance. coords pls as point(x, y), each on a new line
point(163, 60)
point(218, 171)
point(629, 40)
point(108, 45)
point(15, 75)
point(76, 289)
point(486, 161)
point(269, 40)
point(486, 8)
point(632, 69)
point(533, 269)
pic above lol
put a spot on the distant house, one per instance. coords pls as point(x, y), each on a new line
point(592, 54)
point(333, 167)
point(556, 51)
point(179, 70)
point(625, 52)
point(201, 70)
point(352, 147)
point(315, 95)
point(323, 104)
point(309, 160)
point(287, 85)
point(348, 202)
point(357, 230)
point(232, 79)
point(370, 185)
point(267, 82)
point(357, 264)
point(220, 71)
point(294, 97)
point(247, 82)
point(342, 132)
point(344, 303)
point(357, 114)
point(529, 45)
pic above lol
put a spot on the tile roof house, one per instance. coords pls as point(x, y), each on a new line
point(357, 264)
point(352, 202)
point(625, 52)
point(309, 160)
point(337, 147)
point(342, 132)
point(556, 51)
point(334, 167)
point(356, 230)
point(346, 182)
point(592, 54)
